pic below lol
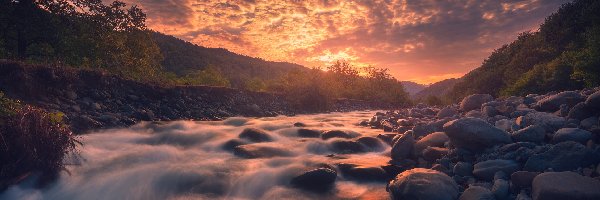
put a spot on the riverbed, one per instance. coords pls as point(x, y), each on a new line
point(187, 160)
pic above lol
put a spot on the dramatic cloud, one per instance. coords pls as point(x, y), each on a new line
point(420, 40)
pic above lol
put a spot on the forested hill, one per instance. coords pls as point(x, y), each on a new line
point(564, 54)
point(183, 58)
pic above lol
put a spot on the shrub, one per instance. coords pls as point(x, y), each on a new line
point(31, 140)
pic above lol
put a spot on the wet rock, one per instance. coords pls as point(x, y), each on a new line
point(531, 133)
point(335, 134)
point(474, 134)
point(308, 133)
point(548, 121)
point(446, 112)
point(363, 173)
point(463, 169)
point(564, 185)
point(423, 184)
point(506, 125)
point(421, 130)
point(231, 144)
point(561, 157)
point(522, 179)
point(475, 114)
point(371, 143)
point(571, 134)
point(260, 151)
point(489, 111)
point(436, 139)
point(346, 147)
point(487, 169)
point(552, 103)
point(477, 193)
point(319, 180)
point(474, 101)
point(387, 125)
point(299, 124)
point(255, 135)
point(402, 148)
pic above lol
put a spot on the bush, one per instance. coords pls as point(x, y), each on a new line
point(31, 140)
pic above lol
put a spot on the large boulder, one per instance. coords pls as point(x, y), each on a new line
point(403, 147)
point(320, 179)
point(423, 184)
point(531, 133)
point(335, 134)
point(552, 103)
point(548, 121)
point(563, 156)
point(581, 111)
point(446, 112)
point(255, 135)
point(436, 139)
point(474, 101)
point(594, 100)
point(474, 134)
point(564, 185)
point(571, 134)
point(487, 169)
point(477, 193)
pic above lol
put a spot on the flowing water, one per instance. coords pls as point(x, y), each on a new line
point(185, 160)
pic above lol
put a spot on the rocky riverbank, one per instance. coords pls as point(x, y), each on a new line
point(95, 100)
point(534, 147)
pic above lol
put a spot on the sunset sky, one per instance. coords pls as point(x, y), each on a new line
point(419, 40)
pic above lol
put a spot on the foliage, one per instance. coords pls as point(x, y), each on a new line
point(81, 33)
point(32, 140)
point(562, 55)
point(315, 89)
point(434, 101)
point(208, 76)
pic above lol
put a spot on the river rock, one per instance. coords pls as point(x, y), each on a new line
point(255, 135)
point(346, 147)
point(485, 170)
point(335, 134)
point(435, 139)
point(463, 169)
point(433, 153)
point(563, 156)
point(522, 179)
point(477, 193)
point(423, 184)
point(474, 134)
point(564, 185)
point(594, 100)
point(500, 189)
point(474, 101)
point(571, 134)
point(403, 147)
point(548, 121)
point(589, 123)
point(446, 112)
point(260, 151)
point(363, 173)
point(371, 143)
point(320, 179)
point(581, 111)
point(552, 103)
point(532, 133)
point(308, 133)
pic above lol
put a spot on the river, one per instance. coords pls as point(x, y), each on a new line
point(186, 160)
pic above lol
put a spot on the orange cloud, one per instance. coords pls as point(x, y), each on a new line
point(420, 40)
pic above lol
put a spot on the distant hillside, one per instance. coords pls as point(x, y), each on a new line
point(438, 89)
point(563, 55)
point(181, 58)
point(412, 87)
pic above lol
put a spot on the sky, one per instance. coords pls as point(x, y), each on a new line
point(424, 41)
